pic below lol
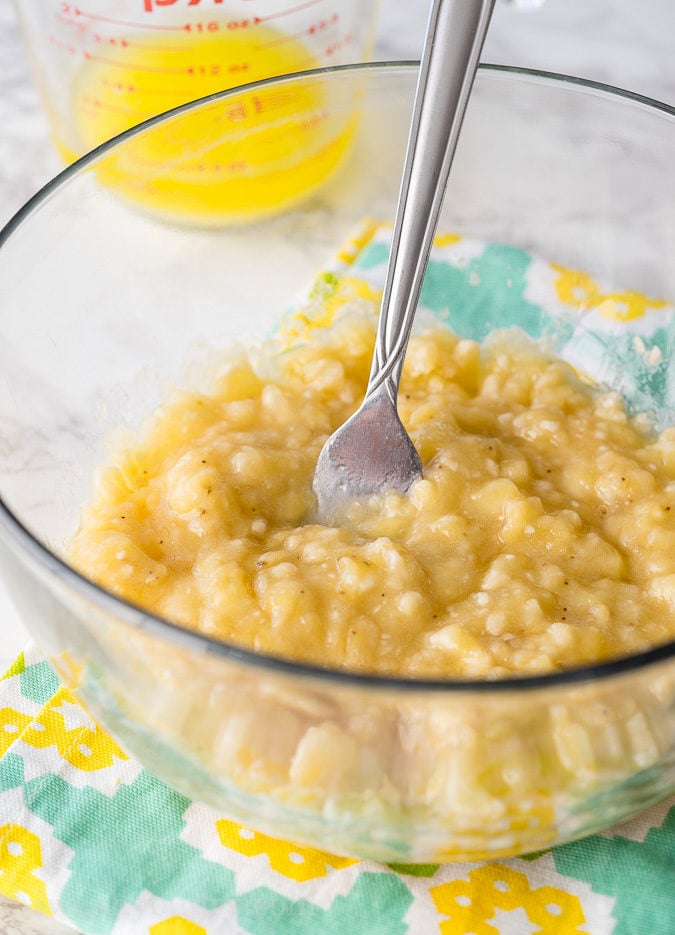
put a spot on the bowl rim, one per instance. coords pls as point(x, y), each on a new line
point(28, 545)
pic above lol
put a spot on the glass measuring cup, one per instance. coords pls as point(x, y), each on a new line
point(103, 66)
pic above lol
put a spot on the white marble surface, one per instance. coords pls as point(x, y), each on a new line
point(16, 919)
point(623, 42)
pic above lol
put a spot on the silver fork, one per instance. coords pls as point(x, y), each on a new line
point(372, 452)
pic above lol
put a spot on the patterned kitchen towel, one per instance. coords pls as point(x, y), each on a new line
point(91, 838)
point(621, 338)
point(88, 836)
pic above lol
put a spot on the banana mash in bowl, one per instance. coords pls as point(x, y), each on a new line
point(541, 536)
point(480, 667)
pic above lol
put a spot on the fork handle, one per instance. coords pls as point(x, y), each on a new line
point(454, 39)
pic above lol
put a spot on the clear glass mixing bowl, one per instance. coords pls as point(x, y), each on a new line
point(101, 308)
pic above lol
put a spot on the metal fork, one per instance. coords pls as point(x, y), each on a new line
point(372, 452)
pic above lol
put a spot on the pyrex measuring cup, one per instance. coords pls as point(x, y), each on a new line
point(105, 65)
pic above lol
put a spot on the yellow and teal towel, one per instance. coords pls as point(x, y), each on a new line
point(89, 836)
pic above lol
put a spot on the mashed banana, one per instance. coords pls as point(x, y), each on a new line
point(542, 535)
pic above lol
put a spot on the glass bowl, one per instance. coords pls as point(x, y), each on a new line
point(102, 308)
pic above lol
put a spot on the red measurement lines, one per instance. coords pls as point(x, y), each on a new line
point(63, 44)
point(288, 11)
point(312, 30)
point(138, 66)
point(120, 42)
point(148, 47)
point(91, 101)
point(68, 10)
point(75, 14)
point(176, 93)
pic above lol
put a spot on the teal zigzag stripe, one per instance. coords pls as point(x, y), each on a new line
point(640, 876)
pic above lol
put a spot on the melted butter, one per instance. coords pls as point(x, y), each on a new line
point(252, 155)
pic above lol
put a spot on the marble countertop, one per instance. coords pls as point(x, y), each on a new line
point(627, 43)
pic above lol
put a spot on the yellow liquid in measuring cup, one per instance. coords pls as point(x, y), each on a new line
point(252, 155)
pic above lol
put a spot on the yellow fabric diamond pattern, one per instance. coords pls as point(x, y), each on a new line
point(350, 251)
point(473, 902)
point(11, 725)
point(177, 925)
point(20, 857)
point(300, 326)
point(582, 291)
point(291, 860)
point(446, 240)
point(82, 747)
